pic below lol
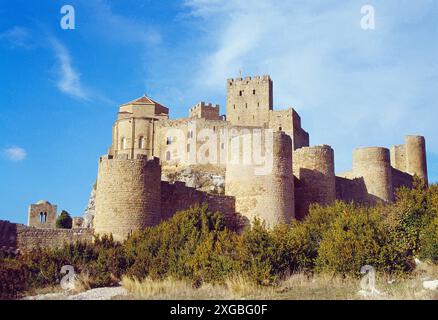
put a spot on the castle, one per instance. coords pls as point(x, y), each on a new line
point(276, 183)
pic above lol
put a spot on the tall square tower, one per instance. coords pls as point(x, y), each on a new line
point(249, 101)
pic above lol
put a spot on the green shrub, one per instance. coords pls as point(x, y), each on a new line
point(167, 249)
point(358, 237)
point(429, 242)
point(64, 220)
point(12, 279)
point(412, 212)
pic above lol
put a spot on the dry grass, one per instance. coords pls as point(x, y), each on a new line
point(82, 283)
point(295, 287)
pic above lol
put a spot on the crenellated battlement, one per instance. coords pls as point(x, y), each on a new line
point(264, 78)
point(146, 160)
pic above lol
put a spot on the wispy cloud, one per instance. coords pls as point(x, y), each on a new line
point(17, 37)
point(352, 87)
point(69, 81)
point(15, 154)
point(121, 29)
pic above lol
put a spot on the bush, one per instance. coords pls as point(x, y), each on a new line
point(168, 249)
point(409, 215)
point(195, 245)
point(359, 237)
point(429, 242)
point(64, 220)
point(12, 280)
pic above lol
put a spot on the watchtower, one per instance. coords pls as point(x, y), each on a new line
point(249, 101)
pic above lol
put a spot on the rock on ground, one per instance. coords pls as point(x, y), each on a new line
point(93, 294)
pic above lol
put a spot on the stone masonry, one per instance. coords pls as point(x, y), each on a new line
point(130, 193)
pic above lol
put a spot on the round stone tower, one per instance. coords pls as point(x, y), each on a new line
point(373, 165)
point(314, 168)
point(128, 195)
point(267, 194)
point(416, 156)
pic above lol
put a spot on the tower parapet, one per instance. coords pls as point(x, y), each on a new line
point(314, 168)
point(128, 195)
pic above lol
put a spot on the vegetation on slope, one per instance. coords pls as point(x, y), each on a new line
point(196, 247)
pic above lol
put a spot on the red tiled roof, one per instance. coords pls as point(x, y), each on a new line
point(144, 100)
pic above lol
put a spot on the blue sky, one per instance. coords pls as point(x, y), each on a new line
point(60, 89)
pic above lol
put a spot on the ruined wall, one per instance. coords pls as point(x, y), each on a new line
point(31, 238)
point(42, 215)
point(128, 195)
point(267, 195)
point(249, 101)
point(23, 238)
point(373, 164)
point(314, 170)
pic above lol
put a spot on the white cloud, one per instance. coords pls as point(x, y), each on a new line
point(69, 78)
point(15, 154)
point(121, 29)
point(18, 37)
point(352, 87)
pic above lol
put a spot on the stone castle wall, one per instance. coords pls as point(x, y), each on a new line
point(265, 195)
point(42, 215)
point(177, 197)
point(128, 195)
point(373, 164)
point(19, 237)
point(314, 169)
point(411, 157)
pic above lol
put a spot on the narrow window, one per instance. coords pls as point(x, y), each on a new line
point(246, 105)
point(240, 93)
point(253, 91)
point(142, 143)
point(169, 140)
point(168, 155)
point(234, 106)
point(123, 144)
point(188, 147)
point(222, 146)
point(41, 217)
